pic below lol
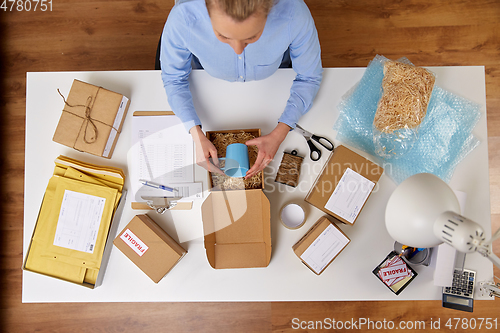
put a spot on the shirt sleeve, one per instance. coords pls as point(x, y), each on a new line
point(305, 54)
point(175, 59)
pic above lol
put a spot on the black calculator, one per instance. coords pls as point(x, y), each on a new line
point(460, 296)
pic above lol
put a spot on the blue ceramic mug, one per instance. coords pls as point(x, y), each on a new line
point(236, 160)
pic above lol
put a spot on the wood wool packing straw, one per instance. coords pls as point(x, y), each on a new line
point(289, 170)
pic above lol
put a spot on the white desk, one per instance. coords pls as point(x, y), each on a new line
point(223, 105)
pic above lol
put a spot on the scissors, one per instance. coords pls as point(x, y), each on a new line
point(315, 152)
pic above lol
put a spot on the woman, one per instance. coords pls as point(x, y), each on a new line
point(240, 40)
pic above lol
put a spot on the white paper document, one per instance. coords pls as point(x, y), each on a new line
point(162, 151)
point(79, 220)
point(349, 195)
point(324, 248)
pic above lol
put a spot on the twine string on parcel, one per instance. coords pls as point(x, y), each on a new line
point(87, 119)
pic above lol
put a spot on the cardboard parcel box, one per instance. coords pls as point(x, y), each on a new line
point(321, 245)
point(148, 246)
point(91, 119)
point(344, 185)
point(237, 229)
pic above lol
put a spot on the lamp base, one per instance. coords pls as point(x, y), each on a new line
point(415, 256)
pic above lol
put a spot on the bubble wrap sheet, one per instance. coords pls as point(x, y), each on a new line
point(444, 137)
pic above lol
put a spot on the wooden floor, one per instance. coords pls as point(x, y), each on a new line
point(83, 35)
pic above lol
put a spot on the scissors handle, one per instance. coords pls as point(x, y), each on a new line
point(315, 152)
point(323, 141)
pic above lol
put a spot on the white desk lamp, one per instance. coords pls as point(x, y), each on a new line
point(421, 212)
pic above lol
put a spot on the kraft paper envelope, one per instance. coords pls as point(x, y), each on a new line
point(111, 174)
point(47, 234)
point(65, 263)
point(36, 260)
point(72, 173)
point(91, 276)
point(90, 173)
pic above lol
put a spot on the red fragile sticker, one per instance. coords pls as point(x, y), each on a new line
point(395, 271)
point(134, 242)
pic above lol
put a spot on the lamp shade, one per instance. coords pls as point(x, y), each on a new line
point(415, 205)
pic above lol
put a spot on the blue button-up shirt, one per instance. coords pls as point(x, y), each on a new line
point(188, 31)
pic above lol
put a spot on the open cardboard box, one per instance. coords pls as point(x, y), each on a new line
point(344, 185)
point(237, 226)
point(252, 156)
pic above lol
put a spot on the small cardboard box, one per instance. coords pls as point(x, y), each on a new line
point(91, 119)
point(237, 227)
point(344, 185)
point(149, 247)
point(321, 245)
point(211, 135)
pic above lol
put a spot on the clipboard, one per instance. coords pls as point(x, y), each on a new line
point(160, 204)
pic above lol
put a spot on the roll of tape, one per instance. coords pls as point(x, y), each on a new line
point(292, 216)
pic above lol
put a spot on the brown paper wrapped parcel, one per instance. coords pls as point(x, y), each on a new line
point(92, 119)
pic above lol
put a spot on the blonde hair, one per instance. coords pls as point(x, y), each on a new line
point(240, 10)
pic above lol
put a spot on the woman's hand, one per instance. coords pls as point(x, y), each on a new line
point(267, 146)
point(204, 150)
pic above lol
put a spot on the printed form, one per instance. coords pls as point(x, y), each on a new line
point(79, 220)
point(324, 248)
point(163, 152)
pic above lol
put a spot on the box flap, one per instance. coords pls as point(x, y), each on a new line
point(238, 217)
point(237, 229)
point(240, 255)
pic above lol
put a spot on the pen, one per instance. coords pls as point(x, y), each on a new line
point(157, 186)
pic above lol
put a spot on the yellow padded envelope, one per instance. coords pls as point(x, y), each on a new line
point(80, 192)
point(111, 174)
point(37, 261)
point(89, 253)
point(72, 173)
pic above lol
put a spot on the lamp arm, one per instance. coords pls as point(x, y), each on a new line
point(485, 251)
point(493, 238)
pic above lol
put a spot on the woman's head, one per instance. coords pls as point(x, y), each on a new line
point(238, 22)
point(240, 10)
